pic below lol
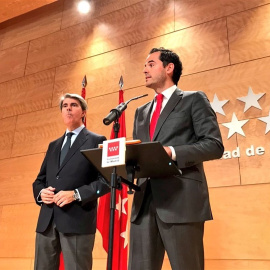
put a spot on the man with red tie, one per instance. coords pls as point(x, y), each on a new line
point(168, 214)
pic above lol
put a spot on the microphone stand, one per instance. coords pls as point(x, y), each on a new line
point(114, 186)
point(116, 181)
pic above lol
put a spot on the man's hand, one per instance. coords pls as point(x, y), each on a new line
point(64, 197)
point(168, 151)
point(47, 195)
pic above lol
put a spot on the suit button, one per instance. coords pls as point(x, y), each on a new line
point(57, 177)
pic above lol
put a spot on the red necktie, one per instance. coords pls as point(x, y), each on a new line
point(155, 116)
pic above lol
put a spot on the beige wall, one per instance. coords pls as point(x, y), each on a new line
point(224, 46)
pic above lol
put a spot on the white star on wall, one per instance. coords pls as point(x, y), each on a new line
point(235, 126)
point(218, 104)
point(266, 120)
point(251, 100)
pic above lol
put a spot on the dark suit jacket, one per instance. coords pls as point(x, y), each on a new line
point(189, 124)
point(76, 172)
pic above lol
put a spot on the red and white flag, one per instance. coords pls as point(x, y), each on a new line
point(120, 243)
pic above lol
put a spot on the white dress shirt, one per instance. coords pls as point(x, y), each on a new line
point(166, 96)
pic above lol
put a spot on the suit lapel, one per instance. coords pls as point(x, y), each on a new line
point(80, 140)
point(172, 102)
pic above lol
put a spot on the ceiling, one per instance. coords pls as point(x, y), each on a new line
point(13, 8)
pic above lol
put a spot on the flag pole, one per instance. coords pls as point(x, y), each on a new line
point(114, 186)
point(83, 94)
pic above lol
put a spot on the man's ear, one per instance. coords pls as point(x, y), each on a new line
point(83, 113)
point(169, 69)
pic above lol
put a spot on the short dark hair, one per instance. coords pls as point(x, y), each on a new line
point(81, 100)
point(168, 56)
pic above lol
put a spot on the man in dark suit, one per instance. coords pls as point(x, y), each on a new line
point(67, 188)
point(169, 213)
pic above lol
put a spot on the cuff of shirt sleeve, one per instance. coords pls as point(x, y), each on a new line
point(39, 200)
point(80, 199)
point(173, 153)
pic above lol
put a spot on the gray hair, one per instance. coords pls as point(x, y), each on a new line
point(77, 97)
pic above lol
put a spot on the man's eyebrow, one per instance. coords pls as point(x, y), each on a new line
point(150, 61)
point(72, 103)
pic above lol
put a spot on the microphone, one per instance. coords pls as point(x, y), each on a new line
point(116, 113)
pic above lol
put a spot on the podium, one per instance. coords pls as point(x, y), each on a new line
point(147, 159)
point(142, 160)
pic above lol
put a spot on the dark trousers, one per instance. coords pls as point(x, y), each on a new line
point(76, 248)
point(150, 237)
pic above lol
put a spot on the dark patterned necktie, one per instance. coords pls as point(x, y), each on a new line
point(155, 116)
point(66, 147)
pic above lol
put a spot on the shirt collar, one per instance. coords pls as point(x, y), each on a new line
point(76, 131)
point(168, 92)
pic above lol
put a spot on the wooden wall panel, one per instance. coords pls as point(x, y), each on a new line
point(15, 263)
point(240, 228)
point(236, 265)
point(106, 33)
point(115, 40)
point(99, 264)
point(99, 108)
point(189, 13)
point(223, 172)
point(6, 135)
point(99, 252)
point(13, 62)
point(230, 83)
point(103, 73)
point(17, 230)
point(166, 264)
point(71, 16)
point(235, 6)
point(208, 52)
point(248, 34)
point(13, 8)
point(254, 165)
point(17, 176)
point(34, 131)
point(40, 23)
point(27, 94)
point(192, 12)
